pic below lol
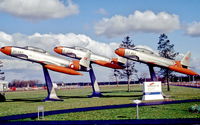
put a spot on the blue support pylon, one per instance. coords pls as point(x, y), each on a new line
point(52, 96)
point(95, 87)
point(152, 73)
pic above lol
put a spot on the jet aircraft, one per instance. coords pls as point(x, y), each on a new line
point(150, 58)
point(79, 52)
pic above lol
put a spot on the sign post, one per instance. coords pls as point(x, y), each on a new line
point(40, 109)
point(152, 91)
point(137, 102)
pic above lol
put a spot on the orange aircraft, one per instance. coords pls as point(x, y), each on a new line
point(78, 53)
point(150, 58)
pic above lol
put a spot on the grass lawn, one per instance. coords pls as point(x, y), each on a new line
point(28, 101)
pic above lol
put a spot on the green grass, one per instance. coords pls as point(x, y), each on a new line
point(28, 101)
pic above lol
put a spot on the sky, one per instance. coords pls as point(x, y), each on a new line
point(99, 25)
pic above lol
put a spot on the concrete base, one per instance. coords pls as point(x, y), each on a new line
point(153, 97)
point(52, 99)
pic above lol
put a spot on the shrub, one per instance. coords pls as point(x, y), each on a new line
point(194, 108)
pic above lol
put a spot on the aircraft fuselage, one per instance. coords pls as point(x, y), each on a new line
point(78, 53)
point(150, 58)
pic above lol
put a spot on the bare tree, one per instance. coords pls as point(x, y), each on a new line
point(143, 77)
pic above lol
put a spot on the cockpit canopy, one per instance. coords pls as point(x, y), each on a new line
point(35, 49)
point(85, 50)
point(145, 50)
point(79, 48)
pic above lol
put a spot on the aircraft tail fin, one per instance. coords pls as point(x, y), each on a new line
point(85, 61)
point(186, 59)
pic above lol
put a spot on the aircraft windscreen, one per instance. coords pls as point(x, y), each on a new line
point(85, 50)
point(144, 50)
point(82, 49)
point(35, 49)
point(79, 48)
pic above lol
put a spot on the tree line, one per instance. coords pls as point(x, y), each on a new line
point(23, 83)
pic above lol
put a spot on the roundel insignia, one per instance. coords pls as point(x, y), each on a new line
point(85, 58)
point(72, 66)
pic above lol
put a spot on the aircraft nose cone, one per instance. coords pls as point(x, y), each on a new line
point(58, 49)
point(6, 50)
point(120, 51)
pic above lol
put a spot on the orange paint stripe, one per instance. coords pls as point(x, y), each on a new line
point(63, 70)
point(58, 49)
point(6, 50)
point(120, 51)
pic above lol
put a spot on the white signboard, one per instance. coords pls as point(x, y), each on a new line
point(152, 91)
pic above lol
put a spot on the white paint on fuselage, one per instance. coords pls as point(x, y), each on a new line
point(148, 58)
point(80, 54)
point(34, 56)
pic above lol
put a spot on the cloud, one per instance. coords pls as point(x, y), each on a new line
point(195, 63)
point(102, 11)
point(146, 21)
point(193, 29)
point(38, 9)
point(10, 64)
point(49, 41)
point(28, 70)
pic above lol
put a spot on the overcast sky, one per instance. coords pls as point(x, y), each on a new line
point(99, 25)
